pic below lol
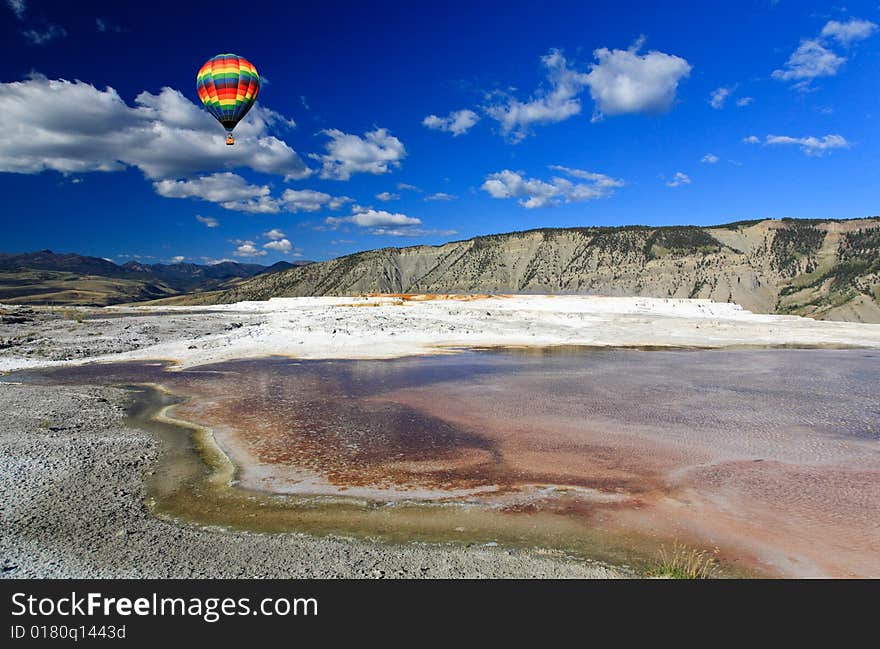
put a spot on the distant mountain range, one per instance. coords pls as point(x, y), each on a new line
point(826, 269)
point(46, 277)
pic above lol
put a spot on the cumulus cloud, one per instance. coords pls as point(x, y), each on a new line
point(247, 249)
point(274, 234)
point(457, 122)
point(279, 245)
point(228, 190)
point(177, 259)
point(217, 188)
point(45, 35)
point(408, 187)
point(73, 127)
point(554, 104)
point(208, 221)
point(718, 96)
point(387, 196)
point(441, 196)
point(373, 218)
point(811, 145)
point(850, 31)
point(382, 223)
point(625, 82)
point(679, 179)
point(532, 192)
point(377, 152)
point(233, 192)
point(309, 200)
point(710, 158)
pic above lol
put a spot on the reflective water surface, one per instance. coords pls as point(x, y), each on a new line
point(770, 456)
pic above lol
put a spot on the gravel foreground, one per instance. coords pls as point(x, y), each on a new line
point(72, 506)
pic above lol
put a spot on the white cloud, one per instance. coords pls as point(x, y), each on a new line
point(72, 127)
point(233, 192)
point(600, 180)
point(744, 101)
point(217, 188)
point(710, 158)
point(678, 180)
point(850, 31)
point(373, 218)
point(812, 146)
point(177, 259)
point(457, 122)
point(546, 106)
point(274, 234)
point(247, 249)
point(624, 82)
point(409, 232)
point(441, 196)
point(718, 96)
point(279, 245)
point(18, 7)
point(809, 60)
point(228, 190)
point(408, 187)
point(813, 58)
point(309, 200)
point(387, 196)
point(208, 221)
point(533, 193)
point(375, 153)
point(45, 35)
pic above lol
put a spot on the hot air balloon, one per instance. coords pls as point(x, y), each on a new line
point(228, 85)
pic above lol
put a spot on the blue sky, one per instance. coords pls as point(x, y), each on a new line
point(466, 118)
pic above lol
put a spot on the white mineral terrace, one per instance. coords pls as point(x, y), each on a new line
point(389, 326)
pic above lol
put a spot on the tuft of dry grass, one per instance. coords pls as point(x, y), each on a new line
point(682, 562)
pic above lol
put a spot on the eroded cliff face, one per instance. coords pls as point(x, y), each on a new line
point(823, 269)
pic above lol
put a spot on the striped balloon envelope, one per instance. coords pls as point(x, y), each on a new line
point(228, 85)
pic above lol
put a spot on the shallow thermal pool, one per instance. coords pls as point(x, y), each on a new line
point(772, 457)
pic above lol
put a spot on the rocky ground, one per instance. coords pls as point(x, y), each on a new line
point(37, 335)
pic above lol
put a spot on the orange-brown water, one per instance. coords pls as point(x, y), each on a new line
point(771, 456)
